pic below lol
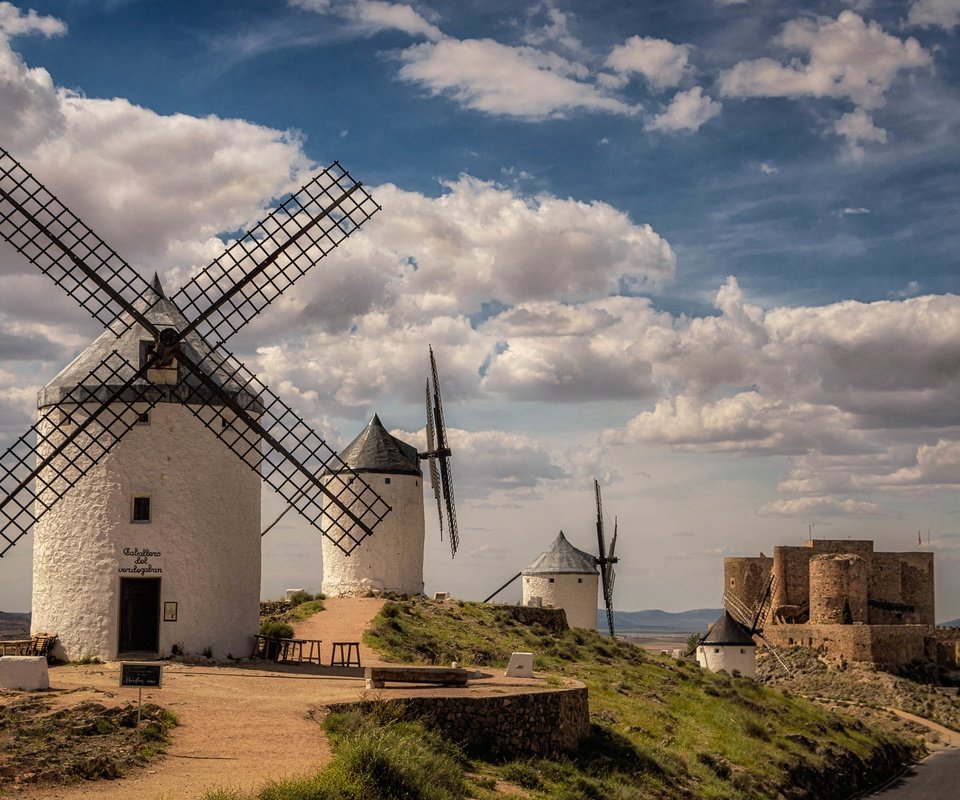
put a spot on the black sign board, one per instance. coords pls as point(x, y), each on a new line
point(140, 674)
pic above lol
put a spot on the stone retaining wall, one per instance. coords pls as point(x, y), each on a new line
point(539, 723)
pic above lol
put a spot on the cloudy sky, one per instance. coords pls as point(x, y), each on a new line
point(703, 251)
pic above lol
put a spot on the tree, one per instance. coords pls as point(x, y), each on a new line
point(846, 616)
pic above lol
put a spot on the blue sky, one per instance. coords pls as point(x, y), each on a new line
point(705, 251)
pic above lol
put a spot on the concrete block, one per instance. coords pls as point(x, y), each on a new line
point(24, 672)
point(520, 666)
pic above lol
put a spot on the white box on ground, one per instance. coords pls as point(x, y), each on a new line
point(24, 672)
point(520, 666)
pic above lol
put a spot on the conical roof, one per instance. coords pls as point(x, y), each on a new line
point(563, 557)
point(727, 630)
point(131, 344)
point(376, 450)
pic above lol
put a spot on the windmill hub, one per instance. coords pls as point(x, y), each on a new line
point(168, 337)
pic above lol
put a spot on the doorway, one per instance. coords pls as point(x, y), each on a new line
point(139, 615)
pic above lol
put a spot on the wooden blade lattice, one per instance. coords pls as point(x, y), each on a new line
point(278, 445)
point(53, 238)
point(67, 441)
point(432, 462)
point(275, 253)
point(446, 475)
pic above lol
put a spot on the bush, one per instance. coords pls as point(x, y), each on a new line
point(276, 629)
point(298, 597)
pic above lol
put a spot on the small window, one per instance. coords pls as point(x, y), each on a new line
point(716, 649)
point(579, 580)
point(386, 480)
point(551, 580)
point(144, 418)
point(742, 650)
point(141, 508)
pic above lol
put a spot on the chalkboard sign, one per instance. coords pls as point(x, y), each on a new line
point(140, 674)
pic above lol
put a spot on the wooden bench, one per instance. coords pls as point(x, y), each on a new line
point(443, 676)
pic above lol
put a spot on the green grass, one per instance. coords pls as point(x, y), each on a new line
point(305, 610)
point(661, 727)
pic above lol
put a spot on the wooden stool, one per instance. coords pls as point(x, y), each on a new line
point(345, 654)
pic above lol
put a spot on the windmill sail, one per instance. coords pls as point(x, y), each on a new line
point(180, 365)
point(605, 560)
point(438, 455)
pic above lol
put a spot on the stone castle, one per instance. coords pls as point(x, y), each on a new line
point(846, 600)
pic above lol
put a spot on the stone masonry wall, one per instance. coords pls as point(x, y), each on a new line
point(891, 645)
point(539, 724)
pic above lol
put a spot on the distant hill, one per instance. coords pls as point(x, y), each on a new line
point(691, 621)
point(954, 623)
point(14, 625)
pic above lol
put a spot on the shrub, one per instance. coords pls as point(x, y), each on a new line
point(276, 629)
point(298, 597)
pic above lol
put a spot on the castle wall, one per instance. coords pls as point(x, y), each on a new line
point(202, 542)
point(575, 594)
point(391, 560)
point(746, 578)
point(916, 580)
point(893, 645)
point(860, 547)
point(791, 565)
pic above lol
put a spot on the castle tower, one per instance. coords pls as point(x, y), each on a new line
point(564, 577)
point(391, 560)
point(157, 547)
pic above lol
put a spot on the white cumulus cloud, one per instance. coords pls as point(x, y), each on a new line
point(687, 112)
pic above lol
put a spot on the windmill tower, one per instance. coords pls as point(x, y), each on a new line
point(392, 561)
point(728, 646)
point(136, 476)
point(564, 577)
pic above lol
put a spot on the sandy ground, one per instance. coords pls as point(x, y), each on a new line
point(240, 726)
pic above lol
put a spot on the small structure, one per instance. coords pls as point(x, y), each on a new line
point(564, 577)
point(392, 560)
point(728, 646)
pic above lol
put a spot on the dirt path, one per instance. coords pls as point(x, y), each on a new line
point(947, 736)
point(240, 726)
point(342, 620)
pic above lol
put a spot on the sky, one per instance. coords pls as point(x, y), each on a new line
point(702, 251)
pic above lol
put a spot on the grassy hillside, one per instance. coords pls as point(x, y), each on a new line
point(661, 728)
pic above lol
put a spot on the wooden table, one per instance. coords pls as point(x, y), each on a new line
point(16, 647)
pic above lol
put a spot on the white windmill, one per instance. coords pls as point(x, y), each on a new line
point(136, 478)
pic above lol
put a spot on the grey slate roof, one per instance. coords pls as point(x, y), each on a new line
point(563, 557)
point(727, 630)
point(376, 450)
point(164, 314)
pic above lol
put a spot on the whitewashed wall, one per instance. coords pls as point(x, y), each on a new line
point(575, 594)
point(392, 558)
point(205, 528)
point(730, 657)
